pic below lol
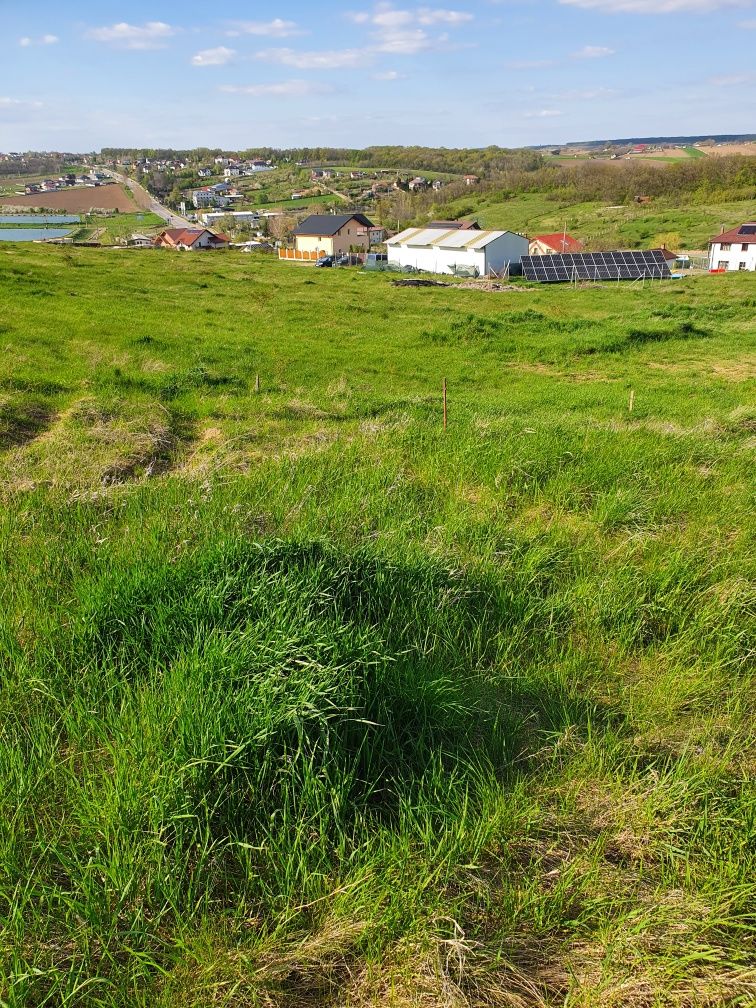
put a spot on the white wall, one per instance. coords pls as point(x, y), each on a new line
point(733, 256)
point(504, 251)
point(499, 253)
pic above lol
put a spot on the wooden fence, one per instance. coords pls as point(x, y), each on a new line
point(299, 255)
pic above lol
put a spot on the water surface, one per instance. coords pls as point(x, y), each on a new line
point(33, 219)
point(27, 234)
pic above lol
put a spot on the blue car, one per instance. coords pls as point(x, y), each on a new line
point(325, 261)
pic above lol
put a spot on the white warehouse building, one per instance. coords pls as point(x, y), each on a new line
point(240, 216)
point(479, 253)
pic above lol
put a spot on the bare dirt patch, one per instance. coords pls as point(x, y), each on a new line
point(107, 197)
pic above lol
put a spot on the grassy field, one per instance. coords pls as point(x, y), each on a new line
point(112, 228)
point(297, 204)
point(309, 702)
point(632, 225)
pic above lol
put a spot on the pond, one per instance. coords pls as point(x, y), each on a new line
point(28, 234)
point(39, 219)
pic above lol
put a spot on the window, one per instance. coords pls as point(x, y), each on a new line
point(722, 264)
point(725, 247)
point(744, 247)
point(742, 266)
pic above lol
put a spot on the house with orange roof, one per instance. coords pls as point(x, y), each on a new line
point(734, 249)
point(190, 239)
point(554, 244)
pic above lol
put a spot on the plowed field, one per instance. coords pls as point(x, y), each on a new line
point(106, 197)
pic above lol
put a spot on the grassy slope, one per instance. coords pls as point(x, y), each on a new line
point(309, 703)
point(631, 226)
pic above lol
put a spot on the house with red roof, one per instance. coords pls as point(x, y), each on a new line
point(190, 239)
point(553, 244)
point(734, 250)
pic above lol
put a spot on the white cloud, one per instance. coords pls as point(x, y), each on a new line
point(429, 16)
point(403, 32)
point(43, 40)
point(19, 103)
point(337, 59)
point(213, 57)
point(283, 89)
point(542, 114)
point(592, 52)
point(388, 75)
point(277, 28)
point(655, 6)
point(151, 35)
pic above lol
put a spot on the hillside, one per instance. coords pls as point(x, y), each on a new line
point(309, 702)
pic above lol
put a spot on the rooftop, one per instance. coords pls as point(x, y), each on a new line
point(560, 242)
point(329, 224)
point(429, 237)
point(745, 234)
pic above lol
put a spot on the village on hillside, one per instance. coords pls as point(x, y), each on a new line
point(376, 218)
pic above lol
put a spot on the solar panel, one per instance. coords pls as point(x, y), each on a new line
point(568, 266)
point(747, 229)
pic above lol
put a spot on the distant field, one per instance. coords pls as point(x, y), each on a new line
point(108, 229)
point(107, 197)
point(310, 703)
point(291, 204)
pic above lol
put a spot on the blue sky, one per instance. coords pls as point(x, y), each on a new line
point(467, 73)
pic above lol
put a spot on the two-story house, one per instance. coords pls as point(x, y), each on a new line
point(734, 249)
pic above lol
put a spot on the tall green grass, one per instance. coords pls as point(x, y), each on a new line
point(309, 702)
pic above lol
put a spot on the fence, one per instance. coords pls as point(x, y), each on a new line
point(299, 255)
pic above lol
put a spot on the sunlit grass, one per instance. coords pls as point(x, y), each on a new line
point(309, 702)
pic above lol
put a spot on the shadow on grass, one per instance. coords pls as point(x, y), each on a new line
point(297, 672)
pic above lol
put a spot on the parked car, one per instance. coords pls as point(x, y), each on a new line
point(325, 261)
point(347, 259)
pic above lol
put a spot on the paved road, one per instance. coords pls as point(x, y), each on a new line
point(147, 202)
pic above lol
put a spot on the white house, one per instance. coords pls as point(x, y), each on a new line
point(734, 249)
point(481, 253)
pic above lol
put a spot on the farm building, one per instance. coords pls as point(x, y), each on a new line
point(734, 249)
point(473, 252)
point(190, 239)
point(554, 244)
point(333, 234)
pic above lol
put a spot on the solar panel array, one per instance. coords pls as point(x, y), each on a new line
point(596, 266)
point(747, 229)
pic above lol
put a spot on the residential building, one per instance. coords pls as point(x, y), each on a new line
point(205, 172)
point(332, 234)
point(471, 179)
point(554, 244)
point(139, 241)
point(468, 252)
point(240, 216)
point(203, 198)
point(233, 171)
point(734, 249)
point(190, 239)
point(454, 225)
